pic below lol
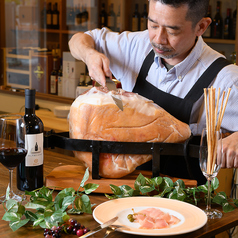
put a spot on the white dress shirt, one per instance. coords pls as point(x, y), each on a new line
point(127, 51)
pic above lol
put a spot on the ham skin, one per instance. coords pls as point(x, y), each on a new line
point(95, 116)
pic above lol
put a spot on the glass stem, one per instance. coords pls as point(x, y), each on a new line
point(11, 178)
point(208, 194)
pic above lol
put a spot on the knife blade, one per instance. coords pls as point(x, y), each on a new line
point(100, 227)
point(112, 86)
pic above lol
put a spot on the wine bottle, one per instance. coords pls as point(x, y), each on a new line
point(112, 19)
point(54, 76)
point(234, 24)
point(228, 25)
point(217, 27)
point(44, 17)
point(207, 33)
point(103, 17)
point(49, 16)
point(118, 20)
point(136, 19)
point(77, 17)
point(60, 81)
point(84, 18)
point(55, 17)
point(30, 171)
point(143, 19)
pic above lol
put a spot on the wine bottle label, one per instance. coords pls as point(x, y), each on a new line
point(111, 21)
point(118, 23)
point(35, 149)
point(143, 24)
point(53, 84)
point(135, 24)
point(55, 19)
point(48, 19)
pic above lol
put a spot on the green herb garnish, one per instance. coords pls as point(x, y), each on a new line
point(165, 187)
point(45, 212)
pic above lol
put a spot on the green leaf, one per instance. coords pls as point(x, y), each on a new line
point(85, 178)
point(220, 198)
point(11, 203)
point(31, 216)
point(179, 183)
point(90, 187)
point(146, 189)
point(157, 181)
point(21, 209)
point(215, 183)
point(140, 181)
point(86, 204)
point(115, 189)
point(30, 205)
point(181, 195)
point(227, 207)
point(235, 202)
point(66, 202)
point(11, 216)
point(126, 190)
point(14, 225)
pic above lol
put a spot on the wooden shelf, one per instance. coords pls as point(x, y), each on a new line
point(44, 96)
point(219, 41)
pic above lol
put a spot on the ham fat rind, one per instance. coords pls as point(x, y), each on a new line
point(95, 116)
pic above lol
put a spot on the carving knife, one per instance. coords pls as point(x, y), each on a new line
point(112, 86)
point(100, 227)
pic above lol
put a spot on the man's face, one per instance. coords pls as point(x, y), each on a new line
point(171, 35)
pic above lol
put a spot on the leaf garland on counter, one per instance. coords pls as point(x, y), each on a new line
point(165, 187)
point(49, 212)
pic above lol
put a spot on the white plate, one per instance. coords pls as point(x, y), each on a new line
point(192, 217)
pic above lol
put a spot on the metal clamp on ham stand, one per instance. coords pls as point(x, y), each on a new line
point(62, 140)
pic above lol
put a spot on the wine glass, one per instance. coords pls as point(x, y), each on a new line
point(12, 147)
point(210, 154)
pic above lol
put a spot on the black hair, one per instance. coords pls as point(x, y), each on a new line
point(197, 9)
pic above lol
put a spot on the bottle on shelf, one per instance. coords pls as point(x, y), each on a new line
point(118, 19)
point(234, 24)
point(60, 81)
point(84, 18)
point(136, 19)
point(143, 19)
point(208, 32)
point(217, 26)
point(70, 15)
point(30, 171)
point(49, 16)
point(112, 18)
point(77, 16)
point(55, 17)
point(228, 28)
point(44, 17)
point(54, 75)
point(103, 17)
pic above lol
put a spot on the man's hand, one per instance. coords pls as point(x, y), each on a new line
point(82, 47)
point(230, 151)
point(98, 66)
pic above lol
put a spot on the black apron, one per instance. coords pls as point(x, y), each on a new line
point(181, 109)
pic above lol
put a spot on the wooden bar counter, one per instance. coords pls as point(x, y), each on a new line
point(53, 159)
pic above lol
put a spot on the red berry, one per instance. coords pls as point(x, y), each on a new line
point(79, 232)
point(85, 230)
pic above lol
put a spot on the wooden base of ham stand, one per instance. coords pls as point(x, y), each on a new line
point(71, 175)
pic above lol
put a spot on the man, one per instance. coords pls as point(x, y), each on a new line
point(163, 63)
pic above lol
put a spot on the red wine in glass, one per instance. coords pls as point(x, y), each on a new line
point(12, 149)
point(11, 157)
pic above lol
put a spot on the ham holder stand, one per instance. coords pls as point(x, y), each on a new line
point(187, 150)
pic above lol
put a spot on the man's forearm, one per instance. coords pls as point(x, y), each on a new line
point(81, 45)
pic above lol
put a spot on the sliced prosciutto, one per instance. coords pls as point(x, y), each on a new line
point(154, 218)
